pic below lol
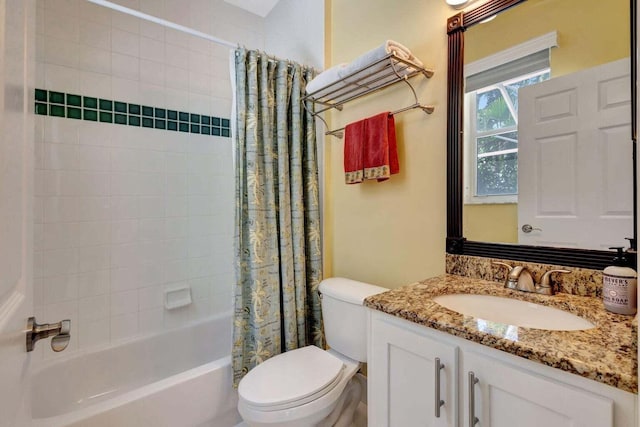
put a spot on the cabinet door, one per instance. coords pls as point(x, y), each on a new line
point(506, 396)
point(402, 376)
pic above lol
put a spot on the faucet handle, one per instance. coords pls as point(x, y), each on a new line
point(60, 342)
point(60, 332)
point(545, 282)
point(511, 279)
point(502, 264)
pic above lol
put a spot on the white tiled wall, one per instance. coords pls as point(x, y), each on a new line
point(123, 213)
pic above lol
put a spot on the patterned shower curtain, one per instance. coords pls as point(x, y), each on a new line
point(277, 234)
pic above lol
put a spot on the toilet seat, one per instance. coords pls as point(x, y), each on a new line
point(303, 411)
point(291, 379)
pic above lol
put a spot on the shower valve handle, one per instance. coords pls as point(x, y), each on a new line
point(59, 331)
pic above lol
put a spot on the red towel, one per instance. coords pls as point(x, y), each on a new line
point(371, 149)
point(354, 152)
point(380, 147)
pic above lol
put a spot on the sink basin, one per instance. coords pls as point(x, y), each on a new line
point(513, 312)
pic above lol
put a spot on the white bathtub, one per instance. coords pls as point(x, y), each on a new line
point(179, 378)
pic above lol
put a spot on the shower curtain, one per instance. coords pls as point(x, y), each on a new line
point(277, 229)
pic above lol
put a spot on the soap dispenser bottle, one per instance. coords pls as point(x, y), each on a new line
point(619, 286)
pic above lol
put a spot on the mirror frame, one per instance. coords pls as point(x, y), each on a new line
point(456, 243)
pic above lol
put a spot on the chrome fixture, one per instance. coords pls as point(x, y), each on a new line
point(438, 401)
point(545, 287)
point(528, 228)
point(461, 4)
point(456, 3)
point(59, 331)
point(519, 278)
point(473, 380)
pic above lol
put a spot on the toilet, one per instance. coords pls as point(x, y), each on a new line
point(310, 386)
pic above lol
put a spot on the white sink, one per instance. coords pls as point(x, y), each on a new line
point(513, 312)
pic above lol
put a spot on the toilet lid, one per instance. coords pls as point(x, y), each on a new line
point(290, 377)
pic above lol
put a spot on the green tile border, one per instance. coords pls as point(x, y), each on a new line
point(41, 95)
point(95, 109)
point(120, 107)
point(134, 121)
point(56, 97)
point(90, 102)
point(91, 115)
point(56, 110)
point(74, 113)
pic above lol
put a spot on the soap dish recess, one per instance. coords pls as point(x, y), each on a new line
point(177, 297)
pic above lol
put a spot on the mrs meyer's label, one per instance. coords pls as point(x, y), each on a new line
point(619, 294)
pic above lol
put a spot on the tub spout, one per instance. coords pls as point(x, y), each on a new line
point(59, 331)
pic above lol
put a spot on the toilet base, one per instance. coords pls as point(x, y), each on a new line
point(340, 415)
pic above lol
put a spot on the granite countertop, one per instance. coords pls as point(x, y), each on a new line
point(606, 353)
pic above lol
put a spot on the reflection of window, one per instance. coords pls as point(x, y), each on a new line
point(501, 330)
point(491, 117)
point(494, 133)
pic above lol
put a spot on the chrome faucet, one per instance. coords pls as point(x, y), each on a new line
point(59, 331)
point(519, 278)
point(545, 287)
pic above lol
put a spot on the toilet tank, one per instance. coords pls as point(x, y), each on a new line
point(344, 315)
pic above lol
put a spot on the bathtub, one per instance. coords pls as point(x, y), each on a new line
point(178, 378)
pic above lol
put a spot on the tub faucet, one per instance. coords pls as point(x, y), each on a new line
point(520, 279)
point(59, 331)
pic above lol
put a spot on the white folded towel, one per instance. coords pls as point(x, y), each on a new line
point(341, 71)
point(378, 53)
point(325, 78)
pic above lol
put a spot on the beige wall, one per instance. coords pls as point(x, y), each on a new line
point(390, 233)
point(590, 33)
point(491, 222)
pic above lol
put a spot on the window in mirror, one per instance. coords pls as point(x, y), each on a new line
point(491, 100)
point(495, 135)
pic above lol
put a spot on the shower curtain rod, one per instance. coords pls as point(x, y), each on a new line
point(163, 22)
point(173, 25)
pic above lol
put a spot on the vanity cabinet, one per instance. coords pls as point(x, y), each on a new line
point(510, 391)
point(506, 396)
point(406, 370)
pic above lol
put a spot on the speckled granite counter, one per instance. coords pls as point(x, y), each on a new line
point(606, 353)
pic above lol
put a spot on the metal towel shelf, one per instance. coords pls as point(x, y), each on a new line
point(378, 75)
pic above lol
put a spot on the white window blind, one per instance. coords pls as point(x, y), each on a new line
point(510, 70)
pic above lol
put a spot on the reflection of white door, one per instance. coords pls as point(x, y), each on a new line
point(16, 194)
point(574, 159)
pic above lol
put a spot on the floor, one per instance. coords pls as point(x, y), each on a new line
point(361, 416)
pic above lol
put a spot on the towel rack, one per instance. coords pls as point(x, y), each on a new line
point(339, 133)
point(373, 77)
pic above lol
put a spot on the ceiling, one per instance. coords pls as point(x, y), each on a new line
point(258, 7)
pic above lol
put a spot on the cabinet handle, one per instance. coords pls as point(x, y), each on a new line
point(438, 367)
point(473, 420)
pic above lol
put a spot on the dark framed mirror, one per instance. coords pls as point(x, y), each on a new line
point(456, 242)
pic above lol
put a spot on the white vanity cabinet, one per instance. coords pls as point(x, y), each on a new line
point(506, 396)
point(510, 390)
point(403, 383)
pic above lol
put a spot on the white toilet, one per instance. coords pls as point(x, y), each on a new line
point(310, 386)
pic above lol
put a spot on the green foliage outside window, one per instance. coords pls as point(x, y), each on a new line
point(496, 136)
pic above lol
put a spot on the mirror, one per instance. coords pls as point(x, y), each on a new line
point(475, 227)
